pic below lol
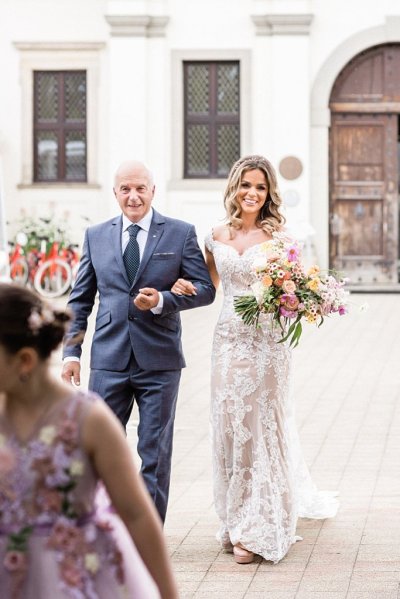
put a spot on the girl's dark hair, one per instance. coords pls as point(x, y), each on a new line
point(27, 321)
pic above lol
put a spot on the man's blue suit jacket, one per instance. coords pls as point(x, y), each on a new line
point(171, 252)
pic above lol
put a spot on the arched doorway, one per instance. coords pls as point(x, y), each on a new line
point(364, 168)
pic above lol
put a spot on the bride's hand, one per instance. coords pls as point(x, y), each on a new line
point(183, 287)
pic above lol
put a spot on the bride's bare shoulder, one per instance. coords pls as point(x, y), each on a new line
point(221, 233)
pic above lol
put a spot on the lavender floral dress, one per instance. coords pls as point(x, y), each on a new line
point(59, 539)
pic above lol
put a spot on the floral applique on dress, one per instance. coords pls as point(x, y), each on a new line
point(47, 503)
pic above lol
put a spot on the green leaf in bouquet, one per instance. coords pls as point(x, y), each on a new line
point(288, 333)
point(293, 333)
point(296, 335)
point(248, 308)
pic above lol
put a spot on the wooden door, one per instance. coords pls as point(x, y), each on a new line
point(364, 167)
point(364, 200)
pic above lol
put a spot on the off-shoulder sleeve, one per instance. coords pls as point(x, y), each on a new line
point(209, 241)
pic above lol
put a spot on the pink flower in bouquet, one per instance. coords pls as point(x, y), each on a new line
point(293, 253)
point(293, 296)
point(289, 286)
point(289, 302)
point(15, 561)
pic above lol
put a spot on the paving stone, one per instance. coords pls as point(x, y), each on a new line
point(357, 585)
point(319, 595)
point(372, 595)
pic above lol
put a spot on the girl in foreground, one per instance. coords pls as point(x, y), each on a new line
point(56, 444)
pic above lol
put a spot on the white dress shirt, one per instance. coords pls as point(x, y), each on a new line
point(141, 238)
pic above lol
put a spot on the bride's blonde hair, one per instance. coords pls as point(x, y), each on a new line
point(270, 218)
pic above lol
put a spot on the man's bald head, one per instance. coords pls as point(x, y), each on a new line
point(134, 168)
point(134, 189)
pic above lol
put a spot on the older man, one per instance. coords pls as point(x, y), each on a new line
point(136, 354)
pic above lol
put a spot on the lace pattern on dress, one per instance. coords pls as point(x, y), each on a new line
point(255, 453)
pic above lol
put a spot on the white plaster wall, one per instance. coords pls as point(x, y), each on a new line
point(210, 23)
point(44, 21)
point(337, 21)
point(285, 92)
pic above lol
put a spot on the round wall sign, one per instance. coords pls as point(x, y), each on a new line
point(290, 167)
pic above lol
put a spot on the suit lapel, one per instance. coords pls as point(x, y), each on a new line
point(116, 233)
point(155, 233)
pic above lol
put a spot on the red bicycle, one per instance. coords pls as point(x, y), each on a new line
point(19, 267)
point(54, 275)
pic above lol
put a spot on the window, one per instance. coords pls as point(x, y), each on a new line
point(59, 122)
point(212, 118)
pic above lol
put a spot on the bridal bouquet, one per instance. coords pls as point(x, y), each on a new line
point(283, 289)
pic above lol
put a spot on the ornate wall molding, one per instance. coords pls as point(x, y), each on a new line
point(137, 25)
point(284, 24)
point(59, 46)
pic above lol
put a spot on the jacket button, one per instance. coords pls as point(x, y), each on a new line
point(131, 293)
point(130, 317)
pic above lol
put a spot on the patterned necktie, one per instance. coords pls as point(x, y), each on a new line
point(132, 254)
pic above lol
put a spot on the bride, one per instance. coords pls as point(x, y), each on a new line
point(261, 482)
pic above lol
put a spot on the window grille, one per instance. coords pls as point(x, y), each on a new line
point(212, 118)
point(59, 115)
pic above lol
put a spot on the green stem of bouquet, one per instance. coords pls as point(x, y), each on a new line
point(293, 333)
point(248, 308)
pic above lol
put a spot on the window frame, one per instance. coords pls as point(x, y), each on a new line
point(177, 181)
point(212, 119)
point(60, 56)
point(60, 128)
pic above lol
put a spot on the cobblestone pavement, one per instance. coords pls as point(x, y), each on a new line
point(346, 384)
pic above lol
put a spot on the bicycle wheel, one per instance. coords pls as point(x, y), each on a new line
point(19, 271)
point(53, 278)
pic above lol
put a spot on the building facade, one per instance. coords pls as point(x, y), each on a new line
point(188, 86)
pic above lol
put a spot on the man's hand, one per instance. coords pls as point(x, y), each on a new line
point(71, 373)
point(183, 287)
point(146, 299)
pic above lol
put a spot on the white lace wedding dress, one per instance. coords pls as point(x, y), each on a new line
point(261, 482)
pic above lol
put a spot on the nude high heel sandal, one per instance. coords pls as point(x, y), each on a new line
point(241, 555)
